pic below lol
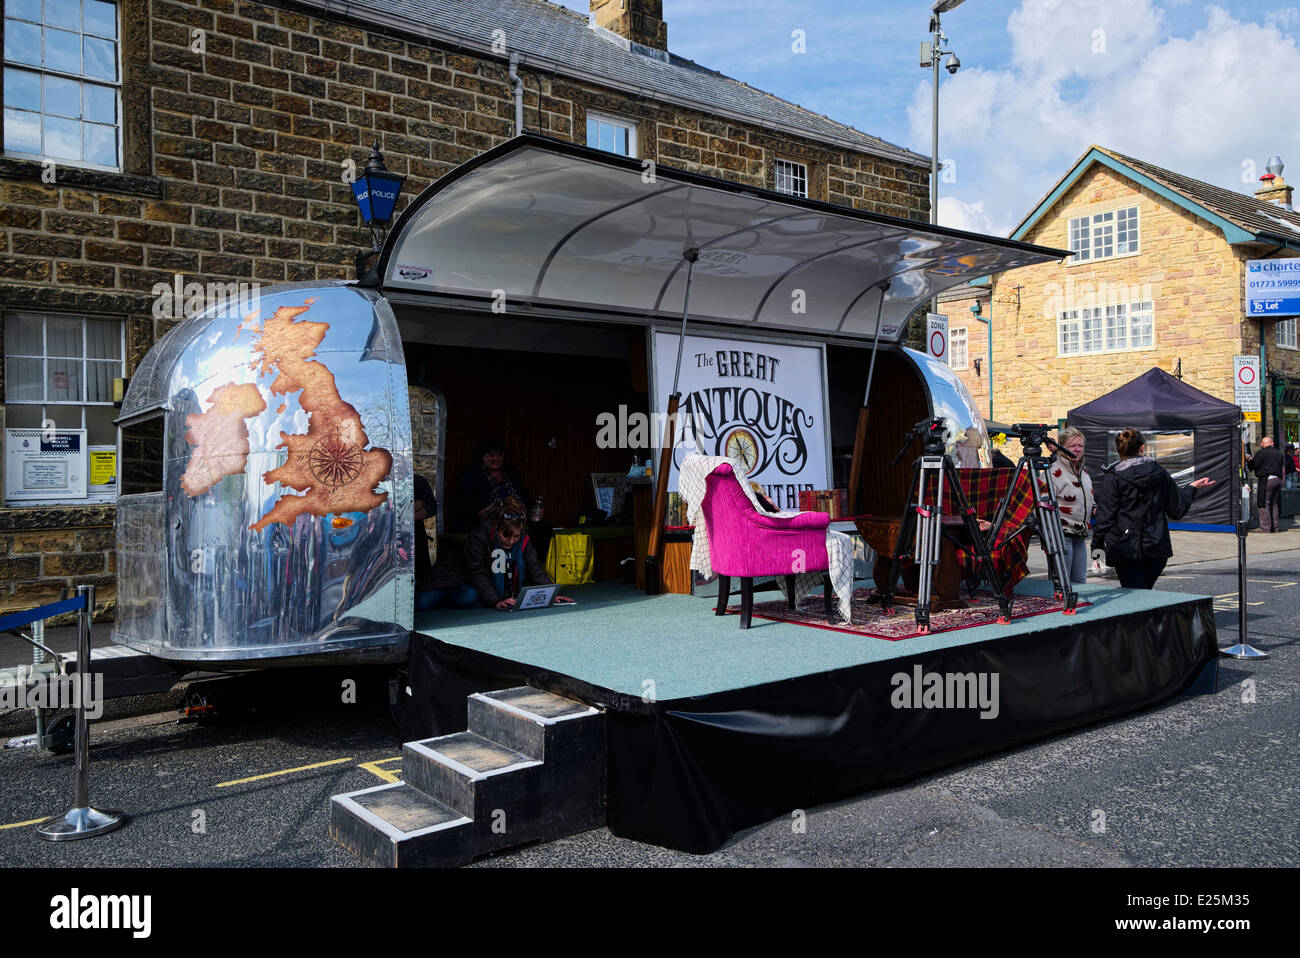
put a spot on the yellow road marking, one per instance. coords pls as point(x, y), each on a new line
point(34, 821)
point(383, 773)
point(287, 771)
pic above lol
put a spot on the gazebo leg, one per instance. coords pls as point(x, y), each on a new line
point(746, 600)
point(724, 593)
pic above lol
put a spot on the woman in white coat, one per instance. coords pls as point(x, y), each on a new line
point(1074, 501)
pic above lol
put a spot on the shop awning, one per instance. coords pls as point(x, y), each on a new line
point(539, 224)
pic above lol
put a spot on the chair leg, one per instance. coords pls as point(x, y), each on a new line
point(746, 601)
point(828, 596)
point(724, 593)
point(789, 592)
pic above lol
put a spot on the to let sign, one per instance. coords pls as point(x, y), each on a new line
point(1273, 287)
point(1245, 383)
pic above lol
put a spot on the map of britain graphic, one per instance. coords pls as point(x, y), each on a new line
point(329, 464)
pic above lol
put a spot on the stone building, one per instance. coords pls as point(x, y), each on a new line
point(1157, 279)
point(149, 146)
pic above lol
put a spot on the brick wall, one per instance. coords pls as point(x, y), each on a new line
point(232, 172)
point(1195, 279)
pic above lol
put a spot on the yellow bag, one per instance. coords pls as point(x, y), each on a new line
point(571, 559)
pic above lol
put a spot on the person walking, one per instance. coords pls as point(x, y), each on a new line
point(1135, 499)
point(1269, 466)
point(1074, 501)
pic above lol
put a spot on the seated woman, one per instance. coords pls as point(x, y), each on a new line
point(440, 584)
point(487, 484)
point(500, 558)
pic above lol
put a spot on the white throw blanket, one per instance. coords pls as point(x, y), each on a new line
point(839, 547)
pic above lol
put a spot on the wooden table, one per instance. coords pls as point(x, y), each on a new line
point(881, 533)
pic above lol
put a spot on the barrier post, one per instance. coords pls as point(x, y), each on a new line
point(81, 821)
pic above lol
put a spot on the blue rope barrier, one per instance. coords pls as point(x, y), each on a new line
point(19, 619)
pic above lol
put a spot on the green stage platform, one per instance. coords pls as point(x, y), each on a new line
point(616, 638)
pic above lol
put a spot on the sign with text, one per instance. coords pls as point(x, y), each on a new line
point(1273, 287)
point(936, 336)
point(1245, 382)
point(45, 465)
point(763, 403)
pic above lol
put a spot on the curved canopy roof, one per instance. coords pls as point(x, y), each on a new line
point(541, 224)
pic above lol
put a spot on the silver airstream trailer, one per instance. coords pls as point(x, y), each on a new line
point(266, 512)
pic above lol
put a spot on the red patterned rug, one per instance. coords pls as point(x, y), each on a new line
point(869, 620)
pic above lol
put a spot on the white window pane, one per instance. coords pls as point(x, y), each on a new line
point(23, 416)
point(62, 50)
point(101, 144)
point(62, 138)
point(63, 380)
point(99, 380)
point(103, 340)
point(62, 97)
point(22, 43)
point(606, 137)
point(24, 9)
point(99, 103)
point(593, 133)
point(620, 141)
point(101, 59)
point(100, 430)
point(101, 19)
point(22, 89)
point(63, 337)
point(22, 132)
point(24, 335)
point(23, 379)
point(63, 13)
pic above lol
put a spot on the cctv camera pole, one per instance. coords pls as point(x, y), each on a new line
point(1243, 649)
point(937, 40)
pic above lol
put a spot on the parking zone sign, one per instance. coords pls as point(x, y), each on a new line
point(1245, 385)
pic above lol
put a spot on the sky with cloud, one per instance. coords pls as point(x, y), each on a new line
point(1200, 88)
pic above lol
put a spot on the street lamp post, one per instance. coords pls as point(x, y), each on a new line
point(931, 51)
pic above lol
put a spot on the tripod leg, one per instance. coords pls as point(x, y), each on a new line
point(900, 550)
point(981, 548)
point(927, 545)
point(1049, 531)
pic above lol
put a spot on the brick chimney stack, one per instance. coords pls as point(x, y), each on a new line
point(641, 21)
point(1274, 189)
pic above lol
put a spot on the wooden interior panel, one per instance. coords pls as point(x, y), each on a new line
point(898, 402)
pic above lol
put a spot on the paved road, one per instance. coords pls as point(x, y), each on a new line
point(1209, 780)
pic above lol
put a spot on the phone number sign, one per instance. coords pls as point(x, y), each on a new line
point(1273, 287)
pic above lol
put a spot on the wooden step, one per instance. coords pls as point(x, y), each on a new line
point(538, 724)
point(397, 826)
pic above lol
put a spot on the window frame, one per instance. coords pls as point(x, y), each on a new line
point(796, 165)
point(1079, 327)
point(617, 122)
point(117, 86)
point(44, 403)
point(958, 334)
point(1101, 228)
point(1280, 327)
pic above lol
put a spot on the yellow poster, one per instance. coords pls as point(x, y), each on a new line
point(103, 467)
point(1251, 416)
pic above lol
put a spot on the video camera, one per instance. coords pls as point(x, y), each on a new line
point(1033, 435)
point(930, 431)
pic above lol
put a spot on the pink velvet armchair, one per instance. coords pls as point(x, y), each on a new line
point(746, 543)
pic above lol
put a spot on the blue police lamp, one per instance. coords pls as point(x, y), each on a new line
point(376, 191)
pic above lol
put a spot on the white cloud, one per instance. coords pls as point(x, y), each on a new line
point(961, 215)
point(1200, 104)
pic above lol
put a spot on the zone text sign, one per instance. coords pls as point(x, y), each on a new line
point(1245, 383)
point(1273, 287)
point(936, 336)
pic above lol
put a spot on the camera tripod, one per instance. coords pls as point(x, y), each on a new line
point(925, 522)
point(1046, 518)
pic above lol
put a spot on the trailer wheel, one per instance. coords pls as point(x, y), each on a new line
point(61, 734)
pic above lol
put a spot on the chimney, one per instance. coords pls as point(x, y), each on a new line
point(1274, 189)
point(640, 21)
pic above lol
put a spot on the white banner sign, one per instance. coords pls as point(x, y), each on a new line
point(1245, 382)
point(761, 402)
point(936, 336)
point(45, 465)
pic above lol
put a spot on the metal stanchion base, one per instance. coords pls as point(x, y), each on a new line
point(79, 823)
point(1243, 651)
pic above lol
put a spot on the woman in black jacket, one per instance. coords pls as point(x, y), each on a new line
point(1135, 498)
